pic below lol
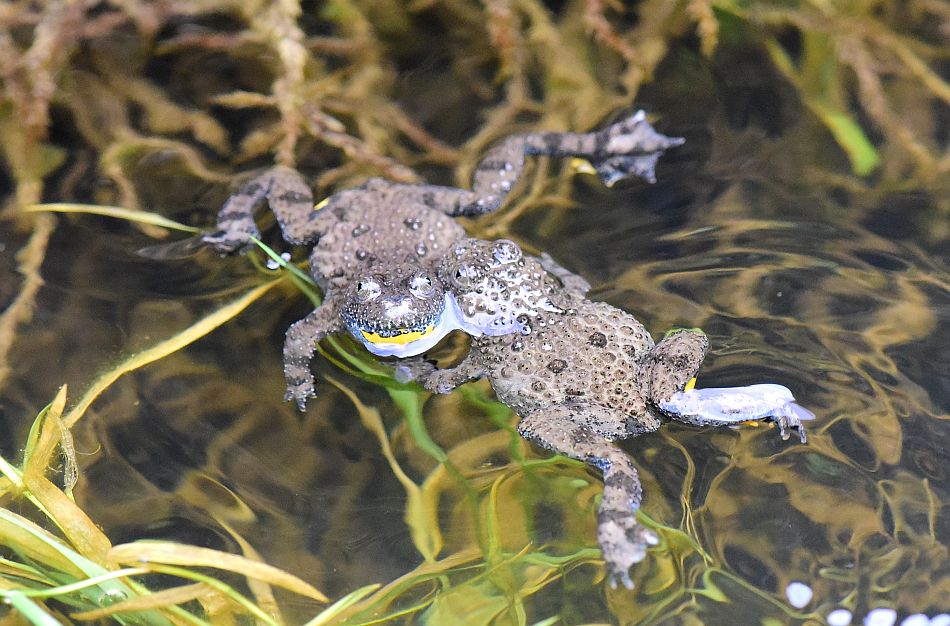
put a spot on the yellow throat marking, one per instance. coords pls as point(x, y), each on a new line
point(400, 339)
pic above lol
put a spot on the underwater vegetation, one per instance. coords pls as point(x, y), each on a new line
point(160, 487)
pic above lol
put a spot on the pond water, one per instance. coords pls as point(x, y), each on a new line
point(838, 291)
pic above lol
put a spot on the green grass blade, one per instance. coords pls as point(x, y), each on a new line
point(303, 280)
point(170, 553)
point(850, 136)
point(29, 609)
point(162, 349)
point(342, 604)
point(129, 215)
point(214, 583)
point(410, 402)
point(41, 546)
point(83, 584)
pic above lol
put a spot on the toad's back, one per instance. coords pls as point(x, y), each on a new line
point(590, 353)
point(384, 234)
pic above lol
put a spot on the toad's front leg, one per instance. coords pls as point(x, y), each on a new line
point(566, 430)
point(442, 380)
point(299, 345)
point(289, 198)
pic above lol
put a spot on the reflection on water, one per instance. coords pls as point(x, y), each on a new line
point(842, 300)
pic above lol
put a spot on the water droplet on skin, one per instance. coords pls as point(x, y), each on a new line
point(421, 249)
point(113, 596)
point(361, 254)
point(547, 346)
point(360, 229)
point(412, 223)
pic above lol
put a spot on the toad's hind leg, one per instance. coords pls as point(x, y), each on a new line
point(676, 359)
point(673, 362)
point(299, 345)
point(630, 147)
point(728, 406)
point(289, 198)
point(563, 429)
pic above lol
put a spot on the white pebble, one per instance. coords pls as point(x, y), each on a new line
point(799, 594)
point(880, 617)
point(940, 620)
point(839, 617)
point(917, 619)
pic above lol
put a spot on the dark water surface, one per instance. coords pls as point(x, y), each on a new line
point(840, 293)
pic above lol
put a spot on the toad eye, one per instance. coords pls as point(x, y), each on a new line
point(421, 285)
point(506, 251)
point(367, 289)
point(464, 276)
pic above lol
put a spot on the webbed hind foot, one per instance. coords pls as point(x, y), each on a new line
point(735, 405)
point(631, 148)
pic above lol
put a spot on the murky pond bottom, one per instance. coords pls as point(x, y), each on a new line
point(839, 293)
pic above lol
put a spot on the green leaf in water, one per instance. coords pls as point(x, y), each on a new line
point(142, 217)
point(850, 136)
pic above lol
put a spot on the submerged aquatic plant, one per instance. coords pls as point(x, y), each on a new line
point(137, 87)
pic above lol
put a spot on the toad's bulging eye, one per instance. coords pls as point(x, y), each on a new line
point(506, 251)
point(464, 276)
point(421, 286)
point(367, 289)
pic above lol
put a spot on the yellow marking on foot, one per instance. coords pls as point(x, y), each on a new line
point(400, 339)
point(690, 384)
point(321, 204)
